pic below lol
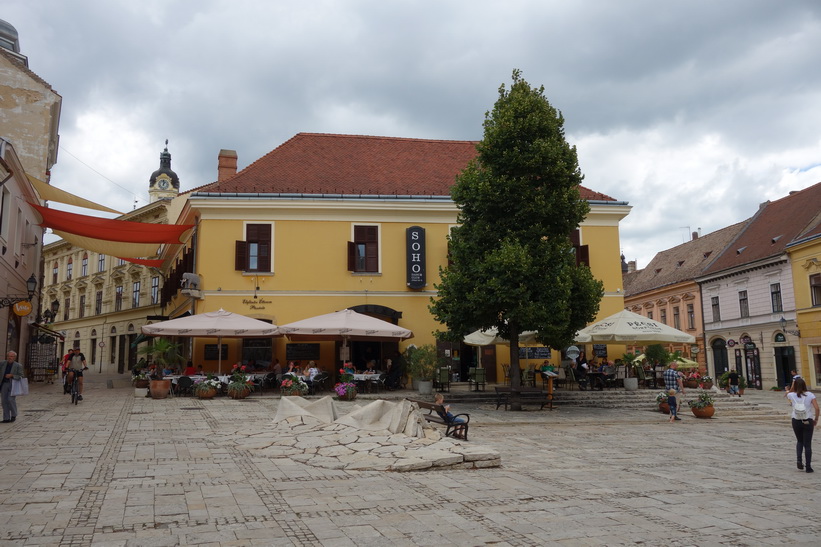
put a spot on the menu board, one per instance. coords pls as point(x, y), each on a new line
point(211, 352)
point(302, 352)
point(538, 352)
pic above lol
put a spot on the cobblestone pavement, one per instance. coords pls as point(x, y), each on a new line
point(120, 470)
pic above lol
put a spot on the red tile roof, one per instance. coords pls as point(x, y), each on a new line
point(315, 163)
point(775, 225)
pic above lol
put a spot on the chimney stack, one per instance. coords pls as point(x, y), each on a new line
point(695, 235)
point(631, 266)
point(227, 166)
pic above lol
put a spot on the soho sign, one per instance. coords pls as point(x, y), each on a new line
point(415, 249)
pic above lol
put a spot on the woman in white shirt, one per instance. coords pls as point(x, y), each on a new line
point(805, 413)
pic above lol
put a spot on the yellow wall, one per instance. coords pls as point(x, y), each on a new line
point(309, 263)
point(805, 260)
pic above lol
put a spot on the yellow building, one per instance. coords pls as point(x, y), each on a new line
point(805, 260)
point(327, 222)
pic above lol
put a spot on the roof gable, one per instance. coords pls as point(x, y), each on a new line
point(682, 263)
point(775, 225)
point(314, 163)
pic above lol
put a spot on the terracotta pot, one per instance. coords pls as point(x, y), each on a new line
point(141, 383)
point(706, 412)
point(707, 385)
point(664, 408)
point(291, 393)
point(160, 388)
point(349, 396)
point(239, 393)
point(207, 394)
point(691, 384)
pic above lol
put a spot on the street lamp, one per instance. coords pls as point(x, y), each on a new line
point(784, 328)
point(51, 314)
point(31, 287)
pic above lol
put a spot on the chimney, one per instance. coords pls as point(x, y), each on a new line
point(695, 235)
point(227, 166)
point(631, 266)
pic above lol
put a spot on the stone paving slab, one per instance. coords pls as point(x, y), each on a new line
point(120, 470)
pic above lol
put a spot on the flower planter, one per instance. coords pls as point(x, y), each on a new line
point(349, 396)
point(664, 408)
point(425, 387)
point(631, 384)
point(691, 384)
point(141, 383)
point(705, 412)
point(291, 393)
point(207, 393)
point(707, 385)
point(239, 393)
point(160, 388)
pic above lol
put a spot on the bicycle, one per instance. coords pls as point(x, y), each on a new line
point(75, 387)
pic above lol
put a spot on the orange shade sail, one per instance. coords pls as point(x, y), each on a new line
point(111, 229)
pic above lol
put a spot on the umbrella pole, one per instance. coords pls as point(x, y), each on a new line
point(219, 355)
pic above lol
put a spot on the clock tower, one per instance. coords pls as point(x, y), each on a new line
point(164, 183)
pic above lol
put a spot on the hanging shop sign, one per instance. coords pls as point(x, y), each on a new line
point(415, 252)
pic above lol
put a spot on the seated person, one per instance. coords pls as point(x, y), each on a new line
point(348, 368)
point(448, 416)
point(370, 368)
point(200, 372)
point(293, 368)
point(312, 371)
point(277, 369)
point(168, 371)
point(189, 369)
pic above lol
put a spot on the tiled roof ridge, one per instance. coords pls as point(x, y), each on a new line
point(264, 161)
point(764, 214)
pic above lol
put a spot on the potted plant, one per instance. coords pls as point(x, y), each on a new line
point(292, 386)
point(703, 406)
point(140, 379)
point(206, 388)
point(661, 399)
point(631, 361)
point(706, 382)
point(422, 364)
point(346, 388)
point(163, 353)
point(692, 379)
point(239, 387)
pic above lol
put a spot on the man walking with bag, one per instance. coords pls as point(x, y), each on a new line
point(12, 370)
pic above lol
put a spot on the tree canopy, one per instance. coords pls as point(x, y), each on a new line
point(512, 262)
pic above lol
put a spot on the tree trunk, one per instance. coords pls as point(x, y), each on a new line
point(515, 369)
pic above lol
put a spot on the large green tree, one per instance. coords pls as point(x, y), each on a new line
point(512, 262)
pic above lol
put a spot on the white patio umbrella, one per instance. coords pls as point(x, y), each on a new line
point(491, 336)
point(344, 325)
point(627, 327)
point(217, 324)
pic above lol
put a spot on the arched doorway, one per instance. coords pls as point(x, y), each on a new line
point(720, 360)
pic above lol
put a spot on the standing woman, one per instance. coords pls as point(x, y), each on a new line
point(11, 370)
point(805, 413)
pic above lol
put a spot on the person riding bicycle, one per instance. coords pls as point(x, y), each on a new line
point(76, 366)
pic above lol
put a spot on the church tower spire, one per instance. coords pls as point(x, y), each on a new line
point(163, 183)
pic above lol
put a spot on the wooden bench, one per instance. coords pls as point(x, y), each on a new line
point(504, 395)
point(435, 415)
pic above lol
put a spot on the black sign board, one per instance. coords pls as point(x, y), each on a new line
point(211, 352)
point(534, 353)
point(302, 352)
point(415, 249)
point(600, 350)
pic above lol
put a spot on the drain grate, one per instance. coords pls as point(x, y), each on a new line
point(37, 410)
point(191, 408)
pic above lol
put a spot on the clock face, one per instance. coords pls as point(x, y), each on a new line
point(162, 184)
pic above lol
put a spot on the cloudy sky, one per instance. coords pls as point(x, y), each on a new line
point(692, 111)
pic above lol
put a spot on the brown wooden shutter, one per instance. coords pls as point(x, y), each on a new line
point(351, 256)
point(240, 256)
point(583, 255)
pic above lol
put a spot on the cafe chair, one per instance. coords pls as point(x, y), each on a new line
point(269, 381)
point(442, 380)
point(185, 386)
point(506, 370)
point(476, 378)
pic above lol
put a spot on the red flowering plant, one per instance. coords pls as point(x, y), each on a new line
point(239, 380)
point(346, 385)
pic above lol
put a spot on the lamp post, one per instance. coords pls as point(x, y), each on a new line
point(51, 313)
point(31, 287)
